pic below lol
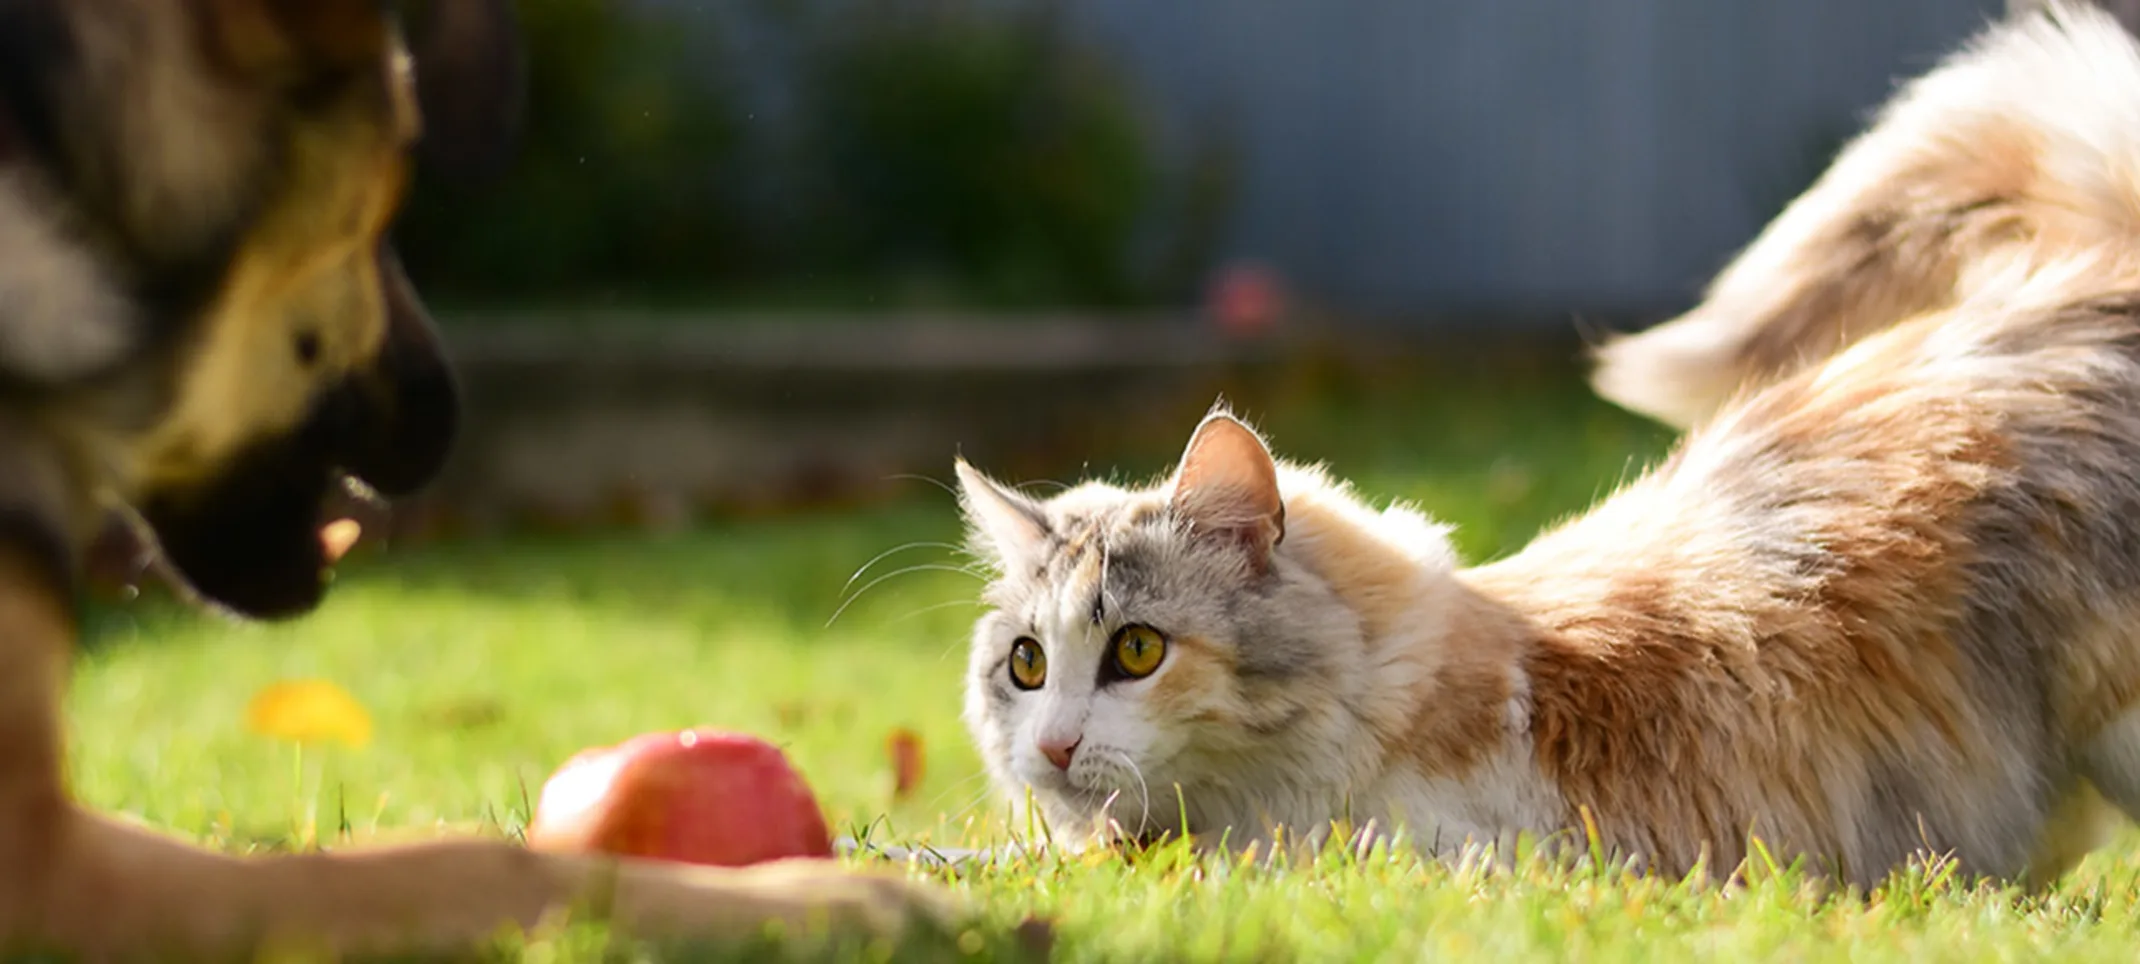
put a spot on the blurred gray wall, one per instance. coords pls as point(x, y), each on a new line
point(1430, 158)
point(1427, 156)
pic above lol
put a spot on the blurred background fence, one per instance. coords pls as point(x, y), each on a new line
point(758, 253)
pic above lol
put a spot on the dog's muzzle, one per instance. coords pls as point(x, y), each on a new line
point(248, 538)
point(399, 417)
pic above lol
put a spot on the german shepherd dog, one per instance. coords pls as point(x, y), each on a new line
point(203, 326)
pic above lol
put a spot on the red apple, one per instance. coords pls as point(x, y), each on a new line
point(698, 796)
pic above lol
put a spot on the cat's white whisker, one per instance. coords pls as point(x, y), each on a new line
point(961, 784)
point(917, 477)
point(1144, 794)
point(894, 574)
point(972, 804)
point(933, 607)
point(893, 551)
point(1104, 816)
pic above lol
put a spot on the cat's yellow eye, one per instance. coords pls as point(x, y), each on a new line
point(1139, 650)
point(1029, 664)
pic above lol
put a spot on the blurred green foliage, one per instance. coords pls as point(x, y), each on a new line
point(815, 152)
point(618, 180)
point(983, 147)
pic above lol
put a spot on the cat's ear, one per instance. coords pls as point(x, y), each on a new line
point(1227, 487)
point(1013, 523)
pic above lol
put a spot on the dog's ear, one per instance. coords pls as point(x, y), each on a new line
point(295, 37)
point(471, 72)
point(471, 79)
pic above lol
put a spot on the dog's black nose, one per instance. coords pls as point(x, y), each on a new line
point(405, 405)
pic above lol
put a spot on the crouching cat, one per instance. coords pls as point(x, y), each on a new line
point(1888, 604)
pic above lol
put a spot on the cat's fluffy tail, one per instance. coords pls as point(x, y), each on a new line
point(2024, 144)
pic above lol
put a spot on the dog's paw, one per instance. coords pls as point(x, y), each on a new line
point(789, 897)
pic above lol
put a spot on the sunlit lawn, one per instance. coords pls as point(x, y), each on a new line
point(486, 665)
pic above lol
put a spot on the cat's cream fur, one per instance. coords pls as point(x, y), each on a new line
point(2023, 145)
point(1888, 606)
point(1883, 600)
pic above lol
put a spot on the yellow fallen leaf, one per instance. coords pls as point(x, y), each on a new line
point(309, 711)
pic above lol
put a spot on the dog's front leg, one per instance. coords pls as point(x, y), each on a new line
point(120, 891)
point(39, 523)
point(80, 883)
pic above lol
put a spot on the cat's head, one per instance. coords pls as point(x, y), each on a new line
point(1149, 647)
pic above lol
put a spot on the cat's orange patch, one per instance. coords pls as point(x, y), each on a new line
point(1456, 712)
point(1377, 581)
point(1462, 713)
point(1196, 683)
point(1762, 704)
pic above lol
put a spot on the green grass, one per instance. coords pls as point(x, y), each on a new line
point(487, 665)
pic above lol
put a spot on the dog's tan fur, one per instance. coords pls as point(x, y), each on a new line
point(2024, 145)
point(200, 324)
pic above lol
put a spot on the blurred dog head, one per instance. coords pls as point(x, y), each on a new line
point(200, 290)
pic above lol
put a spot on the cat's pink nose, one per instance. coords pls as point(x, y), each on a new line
point(1058, 752)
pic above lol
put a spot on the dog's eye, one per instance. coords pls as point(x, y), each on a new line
point(308, 347)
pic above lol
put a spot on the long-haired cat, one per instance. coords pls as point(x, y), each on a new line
point(2024, 145)
point(1883, 600)
point(1888, 605)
